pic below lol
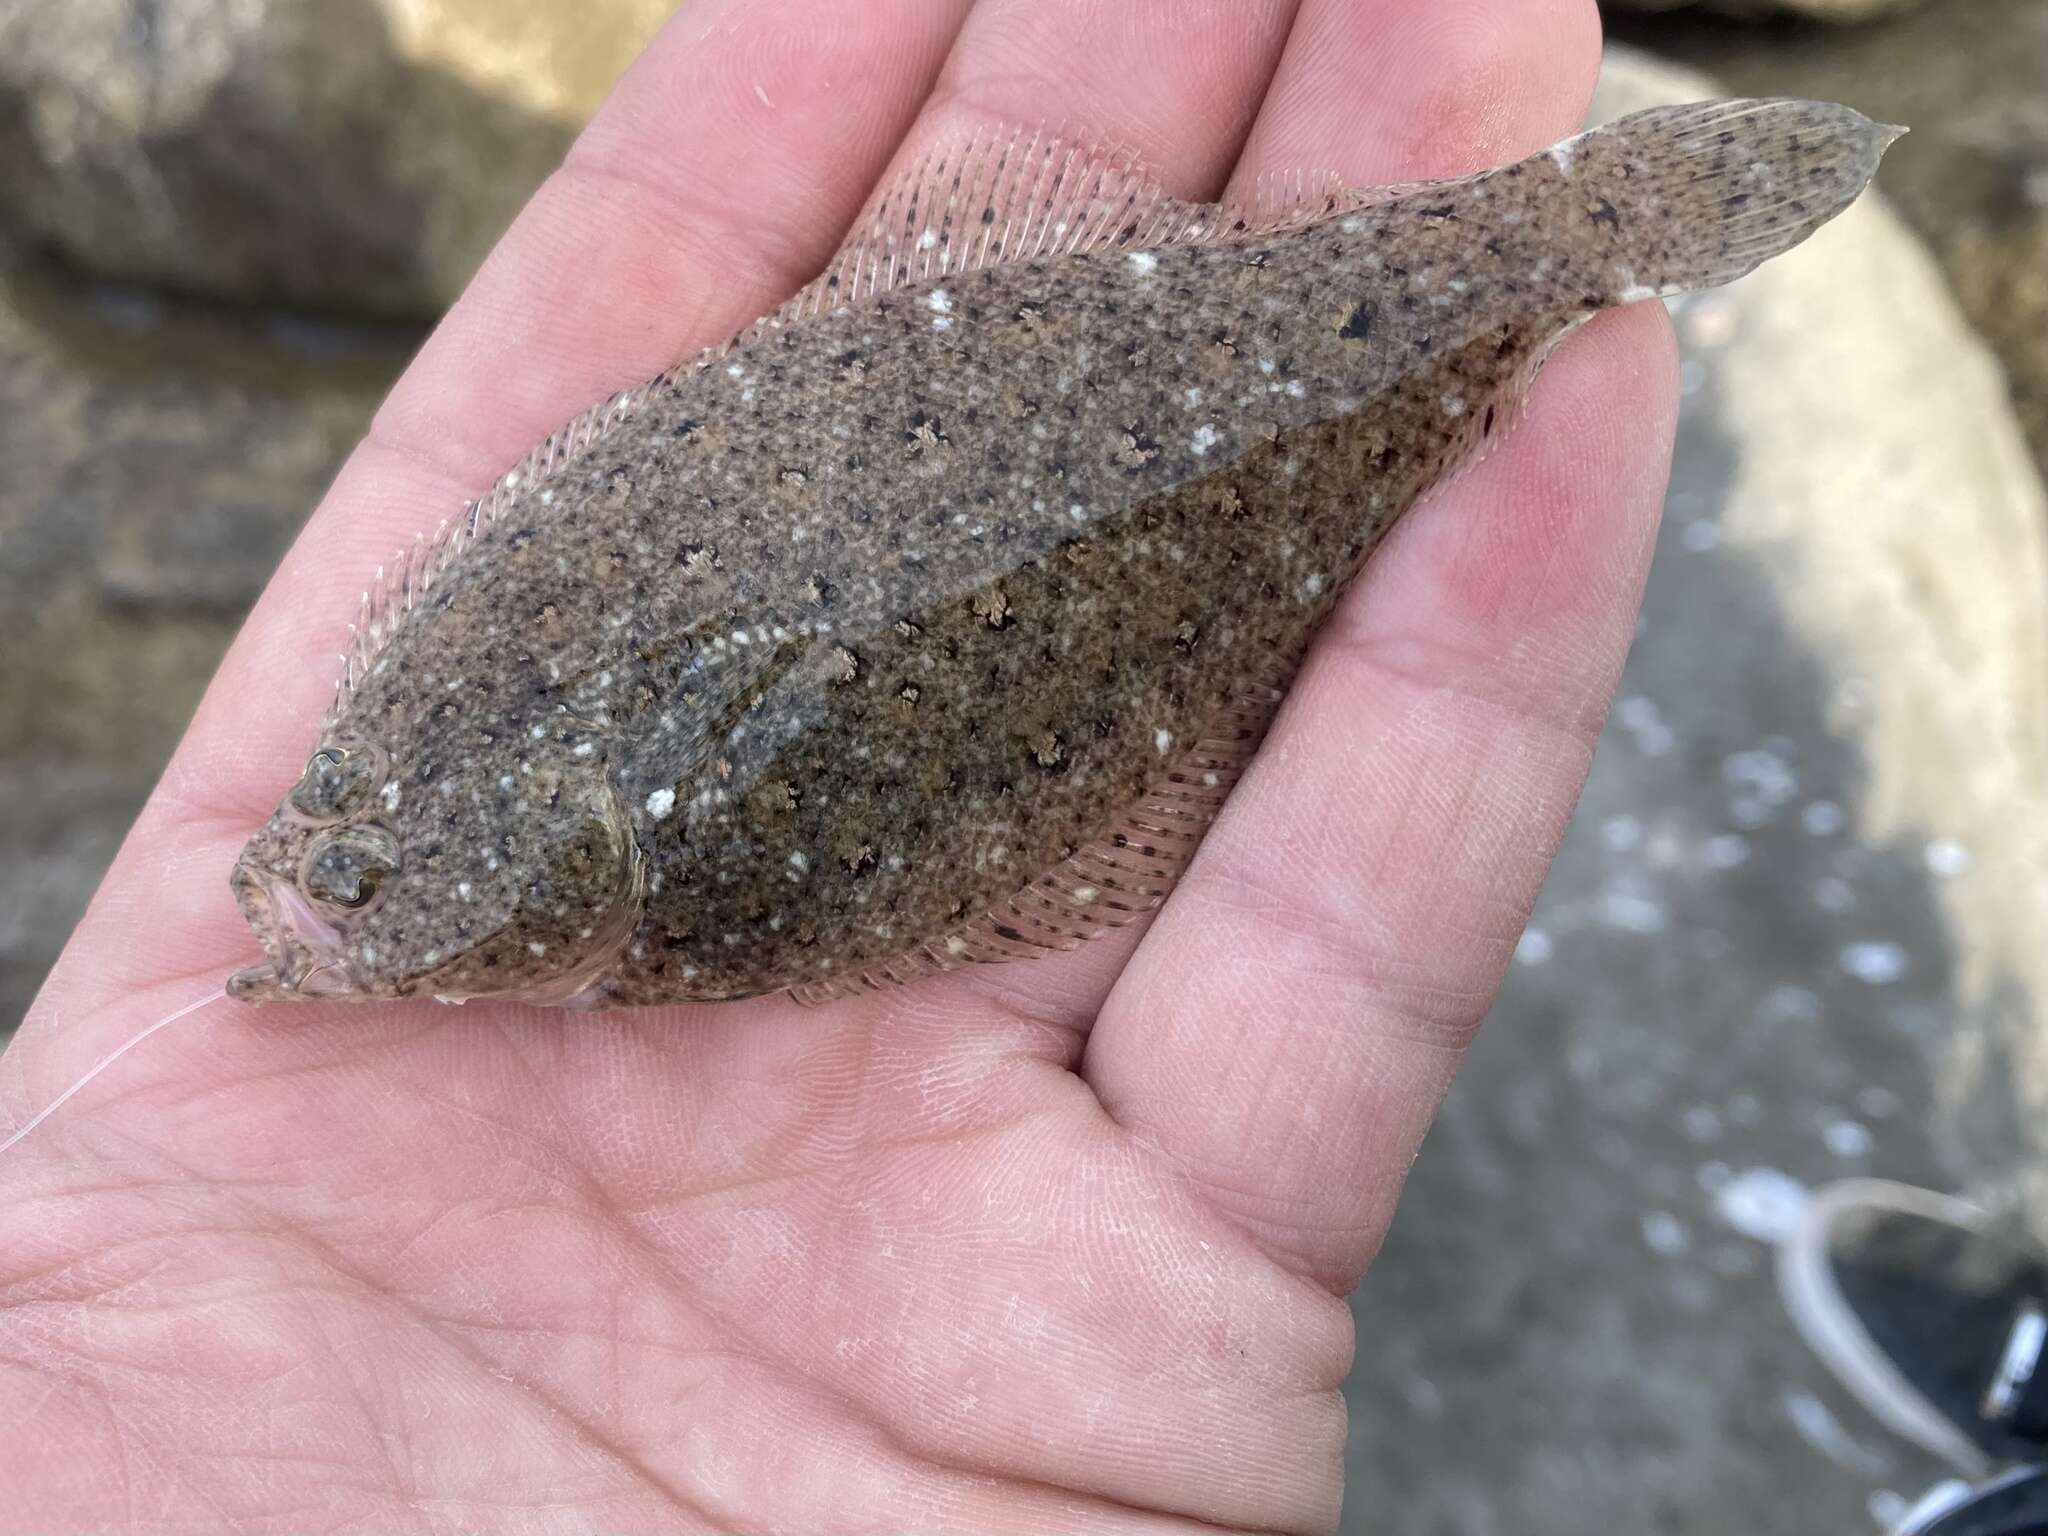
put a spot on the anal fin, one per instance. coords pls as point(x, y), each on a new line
point(1125, 874)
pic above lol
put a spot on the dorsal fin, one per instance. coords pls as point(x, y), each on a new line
point(965, 205)
point(1281, 201)
point(990, 200)
point(412, 572)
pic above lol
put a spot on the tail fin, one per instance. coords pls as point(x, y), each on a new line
point(1713, 190)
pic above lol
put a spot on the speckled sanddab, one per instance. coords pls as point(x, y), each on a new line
point(931, 620)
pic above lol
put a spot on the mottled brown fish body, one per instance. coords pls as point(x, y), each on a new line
point(932, 623)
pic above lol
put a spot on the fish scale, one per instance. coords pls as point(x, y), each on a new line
point(931, 621)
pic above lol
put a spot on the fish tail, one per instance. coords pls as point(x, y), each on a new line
point(1690, 197)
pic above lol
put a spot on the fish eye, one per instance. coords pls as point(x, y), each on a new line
point(336, 781)
point(366, 888)
point(348, 869)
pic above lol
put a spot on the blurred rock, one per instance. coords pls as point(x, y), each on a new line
point(159, 459)
point(1794, 936)
point(1971, 79)
point(1818, 10)
point(355, 155)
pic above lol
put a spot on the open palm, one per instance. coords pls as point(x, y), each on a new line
point(1053, 1247)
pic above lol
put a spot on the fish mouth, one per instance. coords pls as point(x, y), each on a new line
point(302, 948)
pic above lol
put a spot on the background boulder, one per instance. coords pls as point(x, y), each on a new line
point(356, 155)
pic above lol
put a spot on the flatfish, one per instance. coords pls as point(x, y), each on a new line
point(930, 621)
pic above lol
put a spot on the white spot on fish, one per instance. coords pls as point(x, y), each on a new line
point(464, 890)
point(1144, 263)
point(938, 301)
point(1562, 154)
point(535, 946)
point(798, 862)
point(390, 796)
point(1454, 406)
point(1206, 437)
point(1163, 740)
point(585, 748)
point(660, 803)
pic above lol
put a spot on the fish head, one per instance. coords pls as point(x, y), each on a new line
point(512, 874)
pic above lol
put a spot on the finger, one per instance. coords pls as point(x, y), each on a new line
point(1289, 1028)
point(717, 177)
point(1385, 91)
point(1177, 84)
point(1290, 1024)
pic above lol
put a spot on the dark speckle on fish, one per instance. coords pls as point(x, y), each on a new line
point(932, 620)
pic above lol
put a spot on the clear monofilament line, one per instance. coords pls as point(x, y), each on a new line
point(105, 1062)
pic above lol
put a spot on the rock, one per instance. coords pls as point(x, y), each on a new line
point(1971, 78)
point(1817, 10)
point(1794, 936)
point(159, 458)
point(356, 155)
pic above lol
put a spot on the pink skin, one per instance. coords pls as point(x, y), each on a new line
point(1059, 1247)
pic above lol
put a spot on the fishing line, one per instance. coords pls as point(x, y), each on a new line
point(105, 1062)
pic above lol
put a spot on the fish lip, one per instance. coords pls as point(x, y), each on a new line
point(262, 984)
point(302, 948)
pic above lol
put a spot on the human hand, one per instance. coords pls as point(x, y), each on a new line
point(1058, 1246)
